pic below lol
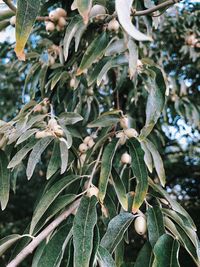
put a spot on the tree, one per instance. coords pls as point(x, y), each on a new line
point(94, 128)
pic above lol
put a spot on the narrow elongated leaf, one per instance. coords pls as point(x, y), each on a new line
point(116, 229)
point(120, 189)
point(166, 252)
point(71, 30)
point(59, 204)
point(155, 101)
point(116, 47)
point(55, 161)
point(36, 153)
point(95, 50)
point(53, 250)
point(183, 223)
point(183, 239)
point(133, 57)
point(84, 7)
point(4, 180)
point(145, 256)
point(64, 154)
point(105, 121)
point(21, 154)
point(69, 118)
point(158, 163)
point(38, 253)
point(147, 157)
point(96, 241)
point(155, 224)
point(174, 204)
point(104, 258)
point(26, 135)
point(139, 170)
point(48, 198)
point(27, 11)
point(113, 62)
point(106, 166)
point(96, 70)
point(123, 9)
point(83, 231)
point(7, 242)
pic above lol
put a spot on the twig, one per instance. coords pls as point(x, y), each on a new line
point(10, 5)
point(38, 239)
point(155, 8)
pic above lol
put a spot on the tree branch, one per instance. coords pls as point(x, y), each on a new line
point(155, 8)
point(10, 5)
point(38, 239)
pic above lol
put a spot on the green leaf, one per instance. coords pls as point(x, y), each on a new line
point(21, 154)
point(26, 135)
point(105, 121)
point(155, 101)
point(120, 189)
point(123, 9)
point(106, 166)
point(38, 253)
point(166, 252)
point(139, 170)
point(116, 229)
point(95, 50)
point(55, 161)
point(69, 118)
point(59, 204)
point(4, 180)
point(71, 30)
point(7, 242)
point(84, 7)
point(52, 253)
point(158, 163)
point(36, 153)
point(117, 47)
point(133, 57)
point(182, 221)
point(43, 78)
point(96, 241)
point(174, 204)
point(83, 231)
point(147, 156)
point(27, 11)
point(104, 258)
point(49, 196)
point(113, 62)
point(64, 154)
point(145, 256)
point(155, 224)
point(182, 237)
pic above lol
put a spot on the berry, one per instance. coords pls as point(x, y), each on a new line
point(13, 20)
point(97, 10)
point(50, 26)
point(53, 15)
point(124, 122)
point(113, 25)
point(62, 22)
point(140, 225)
point(61, 12)
point(131, 133)
point(92, 191)
point(83, 148)
point(126, 158)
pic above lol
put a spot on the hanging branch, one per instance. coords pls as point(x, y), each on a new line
point(10, 5)
point(38, 239)
point(155, 8)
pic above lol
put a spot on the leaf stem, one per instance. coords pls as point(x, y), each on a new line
point(38, 239)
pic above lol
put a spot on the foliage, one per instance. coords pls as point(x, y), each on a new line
point(100, 94)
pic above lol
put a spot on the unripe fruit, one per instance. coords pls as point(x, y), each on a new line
point(62, 22)
point(90, 92)
point(51, 61)
point(59, 132)
point(91, 143)
point(93, 191)
point(52, 123)
point(97, 10)
point(53, 15)
point(124, 122)
point(131, 133)
point(83, 148)
point(42, 134)
point(61, 12)
point(50, 27)
point(113, 25)
point(59, 28)
point(126, 158)
point(72, 83)
point(140, 225)
point(13, 20)
point(87, 139)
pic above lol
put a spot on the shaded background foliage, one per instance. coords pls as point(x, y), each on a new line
point(179, 141)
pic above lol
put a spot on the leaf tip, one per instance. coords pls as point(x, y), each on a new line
point(20, 54)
